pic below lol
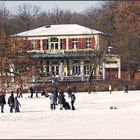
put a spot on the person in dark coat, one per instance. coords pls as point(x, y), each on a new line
point(31, 91)
point(11, 102)
point(2, 101)
point(16, 105)
point(69, 91)
point(66, 105)
point(61, 99)
point(56, 96)
point(73, 98)
point(126, 88)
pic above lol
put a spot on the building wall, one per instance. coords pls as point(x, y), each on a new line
point(137, 76)
point(125, 76)
point(67, 41)
point(97, 42)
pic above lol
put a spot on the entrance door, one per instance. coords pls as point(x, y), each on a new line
point(54, 46)
point(86, 70)
point(76, 70)
point(55, 70)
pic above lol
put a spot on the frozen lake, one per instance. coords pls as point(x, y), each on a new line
point(92, 118)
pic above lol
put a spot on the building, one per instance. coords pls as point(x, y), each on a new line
point(68, 51)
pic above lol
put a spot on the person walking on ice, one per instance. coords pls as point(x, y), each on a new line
point(61, 99)
point(11, 101)
point(2, 101)
point(126, 88)
point(73, 98)
point(52, 101)
point(110, 88)
point(16, 105)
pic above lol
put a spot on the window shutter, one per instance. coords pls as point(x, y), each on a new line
point(70, 43)
point(64, 44)
point(29, 46)
point(83, 43)
point(25, 45)
point(38, 45)
point(44, 44)
point(79, 43)
point(93, 42)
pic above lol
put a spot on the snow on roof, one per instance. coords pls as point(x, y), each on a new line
point(59, 30)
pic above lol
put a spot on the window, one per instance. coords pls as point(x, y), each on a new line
point(86, 69)
point(34, 44)
point(76, 70)
point(76, 67)
point(47, 44)
point(54, 43)
point(75, 43)
point(47, 69)
point(55, 70)
point(61, 43)
point(47, 62)
point(111, 62)
point(88, 43)
point(54, 63)
point(54, 46)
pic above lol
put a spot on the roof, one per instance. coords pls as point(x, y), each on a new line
point(60, 30)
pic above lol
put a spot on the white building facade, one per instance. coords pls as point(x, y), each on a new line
point(68, 50)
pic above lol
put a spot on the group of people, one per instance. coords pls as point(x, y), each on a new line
point(58, 97)
point(12, 102)
point(125, 90)
point(36, 91)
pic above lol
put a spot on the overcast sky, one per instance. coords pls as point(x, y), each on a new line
point(77, 6)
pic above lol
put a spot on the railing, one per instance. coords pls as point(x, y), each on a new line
point(65, 79)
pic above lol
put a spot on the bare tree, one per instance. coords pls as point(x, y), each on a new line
point(59, 16)
point(95, 62)
point(5, 17)
point(26, 14)
point(41, 20)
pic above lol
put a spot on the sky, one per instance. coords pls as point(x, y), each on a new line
point(77, 6)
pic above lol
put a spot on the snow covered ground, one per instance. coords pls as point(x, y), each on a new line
point(92, 118)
